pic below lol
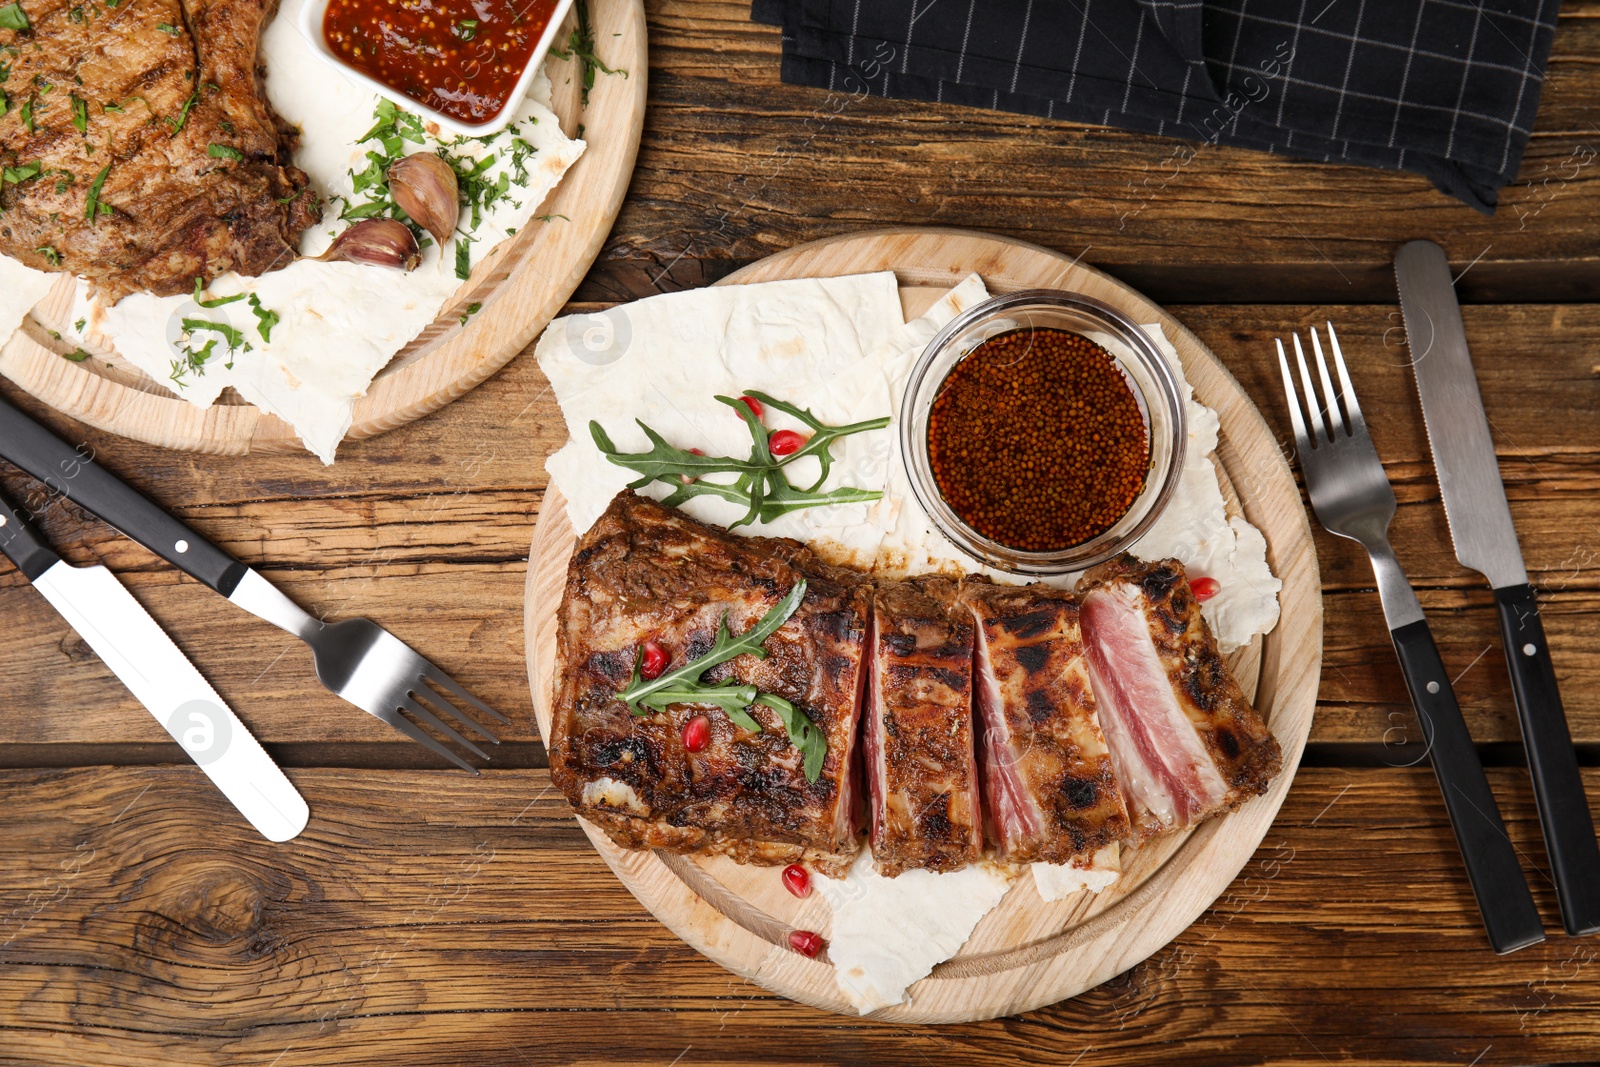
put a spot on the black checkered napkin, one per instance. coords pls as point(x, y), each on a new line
point(1445, 88)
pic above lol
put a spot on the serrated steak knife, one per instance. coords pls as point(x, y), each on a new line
point(155, 670)
point(1480, 526)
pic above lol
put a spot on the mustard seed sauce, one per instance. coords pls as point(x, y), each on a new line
point(459, 57)
point(1037, 441)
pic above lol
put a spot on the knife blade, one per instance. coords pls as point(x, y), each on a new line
point(139, 652)
point(1486, 541)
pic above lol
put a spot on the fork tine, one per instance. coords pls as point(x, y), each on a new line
point(441, 680)
point(1358, 424)
point(444, 705)
point(1312, 410)
point(415, 707)
point(416, 733)
point(1336, 419)
point(1302, 443)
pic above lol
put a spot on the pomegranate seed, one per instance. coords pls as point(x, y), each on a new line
point(653, 659)
point(687, 479)
point(1205, 588)
point(797, 880)
point(805, 942)
point(697, 733)
point(753, 404)
point(786, 442)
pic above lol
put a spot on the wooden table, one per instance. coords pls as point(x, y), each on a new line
point(426, 917)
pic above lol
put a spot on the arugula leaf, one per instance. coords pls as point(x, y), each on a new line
point(684, 685)
point(12, 17)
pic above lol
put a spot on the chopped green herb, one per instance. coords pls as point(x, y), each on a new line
point(13, 175)
point(77, 355)
point(5, 103)
point(183, 115)
point(234, 338)
point(466, 29)
point(27, 114)
point(80, 324)
point(12, 17)
point(49, 253)
point(463, 258)
point(76, 15)
point(550, 218)
point(266, 318)
point(115, 109)
point(472, 309)
point(64, 180)
point(199, 287)
point(580, 43)
point(92, 207)
point(222, 151)
point(167, 27)
point(292, 197)
point(80, 114)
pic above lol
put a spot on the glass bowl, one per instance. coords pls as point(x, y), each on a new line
point(1150, 377)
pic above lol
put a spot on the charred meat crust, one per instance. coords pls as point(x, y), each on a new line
point(1036, 652)
point(1235, 737)
point(929, 815)
point(176, 211)
point(646, 571)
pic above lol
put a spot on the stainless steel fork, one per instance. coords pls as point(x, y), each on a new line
point(356, 658)
point(1352, 498)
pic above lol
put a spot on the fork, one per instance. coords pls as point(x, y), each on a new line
point(356, 658)
point(1352, 498)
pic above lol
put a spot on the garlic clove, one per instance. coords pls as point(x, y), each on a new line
point(380, 242)
point(426, 189)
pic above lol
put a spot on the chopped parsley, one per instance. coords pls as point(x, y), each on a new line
point(472, 309)
point(27, 114)
point(199, 287)
point(183, 116)
point(466, 29)
point(12, 17)
point(222, 151)
point(80, 324)
point(169, 28)
point(64, 181)
point(49, 253)
point(580, 43)
point(463, 257)
point(80, 114)
point(77, 355)
point(13, 175)
point(115, 109)
point(266, 318)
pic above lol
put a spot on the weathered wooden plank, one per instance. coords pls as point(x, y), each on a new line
point(735, 165)
point(426, 529)
point(425, 917)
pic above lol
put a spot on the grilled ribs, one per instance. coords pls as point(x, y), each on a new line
point(181, 169)
point(917, 727)
point(1185, 742)
point(646, 571)
point(1051, 793)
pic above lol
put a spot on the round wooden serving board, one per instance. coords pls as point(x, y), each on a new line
point(1025, 953)
point(520, 288)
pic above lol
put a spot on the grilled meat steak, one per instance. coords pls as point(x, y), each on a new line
point(180, 169)
point(646, 571)
point(1185, 742)
point(921, 774)
point(1051, 792)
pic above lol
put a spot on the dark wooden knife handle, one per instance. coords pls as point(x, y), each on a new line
point(73, 473)
point(1507, 907)
point(22, 544)
point(1564, 813)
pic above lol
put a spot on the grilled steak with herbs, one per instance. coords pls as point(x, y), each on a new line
point(648, 572)
point(139, 146)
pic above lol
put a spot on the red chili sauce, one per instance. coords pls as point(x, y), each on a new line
point(460, 57)
point(1037, 441)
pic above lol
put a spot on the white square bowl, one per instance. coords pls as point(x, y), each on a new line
point(311, 16)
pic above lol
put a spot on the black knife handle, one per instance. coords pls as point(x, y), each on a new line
point(1564, 813)
point(1497, 881)
point(22, 544)
point(73, 473)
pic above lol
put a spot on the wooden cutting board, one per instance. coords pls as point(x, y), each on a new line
point(520, 288)
point(1025, 953)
